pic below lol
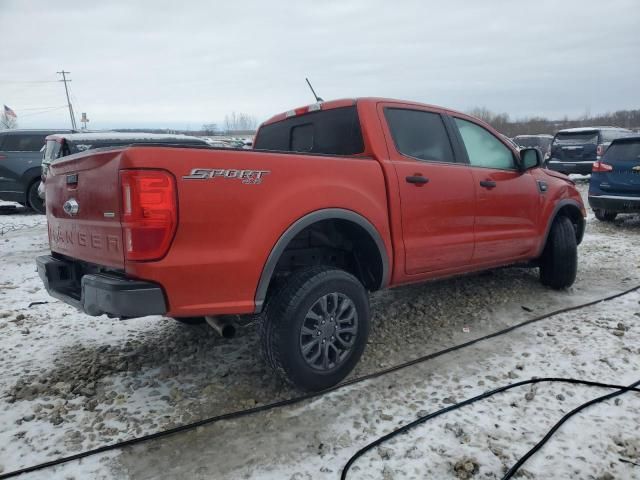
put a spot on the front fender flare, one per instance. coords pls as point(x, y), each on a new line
point(560, 205)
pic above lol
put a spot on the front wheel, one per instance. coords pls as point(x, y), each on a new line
point(35, 202)
point(315, 328)
point(605, 215)
point(559, 260)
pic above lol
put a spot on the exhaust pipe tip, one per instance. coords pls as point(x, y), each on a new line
point(225, 328)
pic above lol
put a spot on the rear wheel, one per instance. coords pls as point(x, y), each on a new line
point(605, 215)
point(35, 202)
point(315, 328)
point(559, 260)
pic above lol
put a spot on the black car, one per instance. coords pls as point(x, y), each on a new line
point(20, 157)
point(61, 145)
point(575, 150)
point(542, 142)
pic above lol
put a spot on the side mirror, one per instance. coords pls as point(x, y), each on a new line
point(530, 158)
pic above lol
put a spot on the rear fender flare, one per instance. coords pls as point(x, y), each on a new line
point(301, 224)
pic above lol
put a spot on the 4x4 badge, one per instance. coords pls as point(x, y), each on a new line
point(71, 207)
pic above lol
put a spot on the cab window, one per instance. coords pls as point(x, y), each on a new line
point(419, 134)
point(483, 148)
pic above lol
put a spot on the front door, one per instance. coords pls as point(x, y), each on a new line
point(437, 194)
point(507, 199)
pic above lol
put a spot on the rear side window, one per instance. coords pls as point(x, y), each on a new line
point(333, 132)
point(23, 143)
point(419, 134)
point(483, 148)
point(575, 138)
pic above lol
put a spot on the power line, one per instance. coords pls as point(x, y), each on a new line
point(29, 81)
point(66, 89)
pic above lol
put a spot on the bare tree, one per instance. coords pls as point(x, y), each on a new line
point(239, 121)
point(8, 121)
point(210, 128)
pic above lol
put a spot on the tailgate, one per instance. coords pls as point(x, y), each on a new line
point(88, 183)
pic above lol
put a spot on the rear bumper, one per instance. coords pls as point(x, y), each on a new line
point(615, 203)
point(583, 168)
point(100, 293)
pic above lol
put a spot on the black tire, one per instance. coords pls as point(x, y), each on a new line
point(191, 320)
point(605, 215)
point(34, 201)
point(296, 304)
point(559, 260)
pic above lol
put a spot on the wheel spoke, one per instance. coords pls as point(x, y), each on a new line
point(325, 356)
point(334, 301)
point(314, 358)
point(306, 348)
point(308, 331)
point(349, 316)
point(351, 330)
point(323, 304)
point(313, 315)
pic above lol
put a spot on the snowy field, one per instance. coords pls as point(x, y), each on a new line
point(71, 382)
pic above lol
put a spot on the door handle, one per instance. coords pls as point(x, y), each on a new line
point(487, 184)
point(417, 179)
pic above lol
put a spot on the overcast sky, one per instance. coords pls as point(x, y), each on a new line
point(181, 64)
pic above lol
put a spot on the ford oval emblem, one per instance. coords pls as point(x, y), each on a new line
point(71, 207)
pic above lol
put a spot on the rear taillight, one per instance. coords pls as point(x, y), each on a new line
point(600, 149)
point(601, 167)
point(149, 213)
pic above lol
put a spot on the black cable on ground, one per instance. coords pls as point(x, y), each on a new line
point(621, 389)
point(301, 398)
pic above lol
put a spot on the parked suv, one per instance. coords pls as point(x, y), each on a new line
point(615, 181)
point(575, 150)
point(20, 157)
point(61, 145)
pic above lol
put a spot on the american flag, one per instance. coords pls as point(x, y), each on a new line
point(9, 112)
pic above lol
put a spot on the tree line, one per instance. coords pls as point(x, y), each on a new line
point(536, 125)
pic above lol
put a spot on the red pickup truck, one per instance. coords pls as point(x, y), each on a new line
point(336, 200)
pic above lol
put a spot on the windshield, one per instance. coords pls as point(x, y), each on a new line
point(576, 138)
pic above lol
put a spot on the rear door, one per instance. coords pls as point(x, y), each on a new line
point(19, 152)
point(624, 156)
point(507, 200)
point(437, 194)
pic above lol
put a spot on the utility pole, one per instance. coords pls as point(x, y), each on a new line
point(66, 89)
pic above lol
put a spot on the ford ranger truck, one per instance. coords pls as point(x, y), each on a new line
point(336, 200)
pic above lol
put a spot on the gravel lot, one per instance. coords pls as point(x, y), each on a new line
point(71, 382)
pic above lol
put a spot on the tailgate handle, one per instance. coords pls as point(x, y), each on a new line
point(72, 179)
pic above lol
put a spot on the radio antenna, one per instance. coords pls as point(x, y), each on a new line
point(318, 99)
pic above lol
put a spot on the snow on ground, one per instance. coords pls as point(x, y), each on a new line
point(71, 382)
